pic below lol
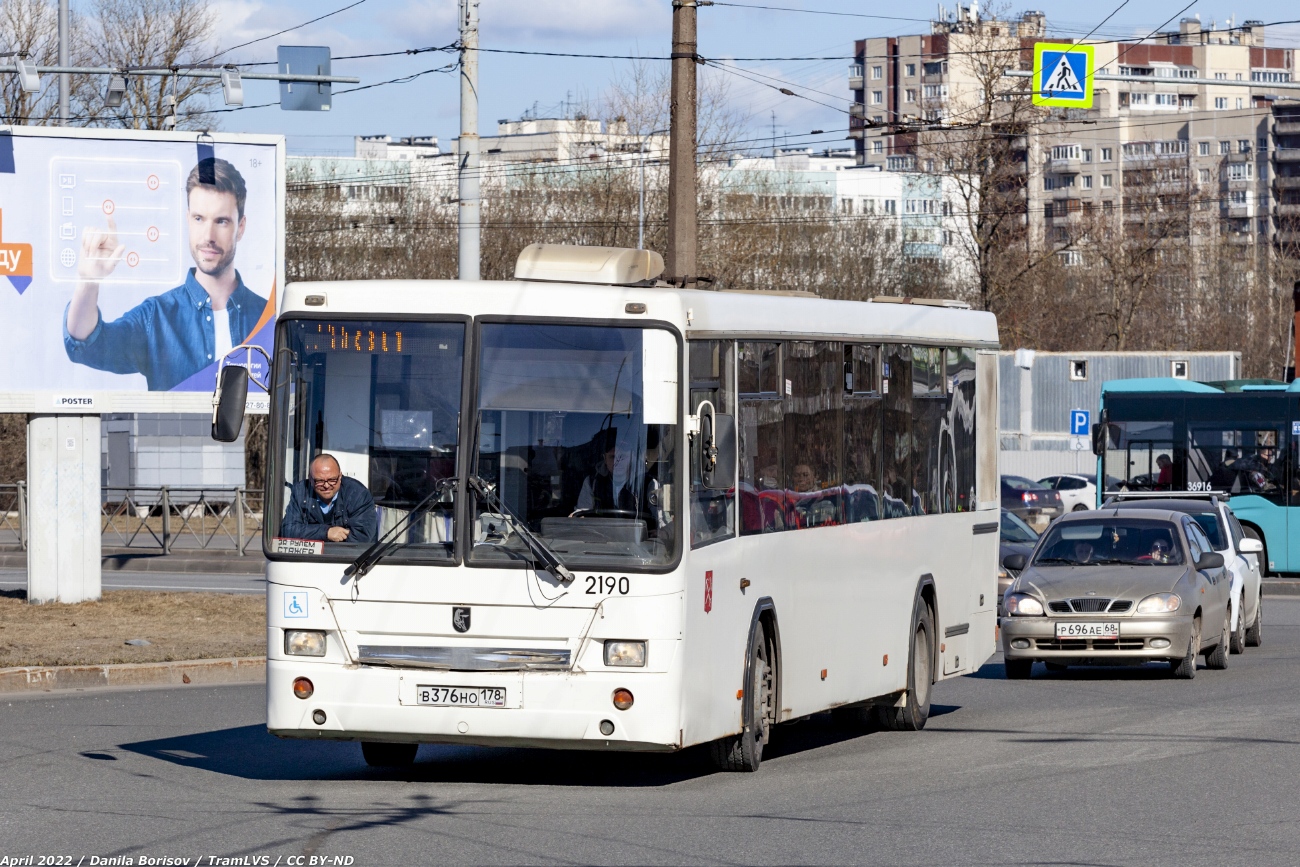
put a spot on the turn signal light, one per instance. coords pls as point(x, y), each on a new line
point(623, 698)
point(302, 687)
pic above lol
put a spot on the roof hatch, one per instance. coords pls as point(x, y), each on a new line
point(566, 263)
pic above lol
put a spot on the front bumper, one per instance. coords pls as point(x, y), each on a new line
point(555, 709)
point(1037, 639)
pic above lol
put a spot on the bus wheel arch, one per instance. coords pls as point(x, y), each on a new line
point(761, 693)
point(922, 657)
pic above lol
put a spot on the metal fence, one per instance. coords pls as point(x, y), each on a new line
point(13, 515)
point(167, 519)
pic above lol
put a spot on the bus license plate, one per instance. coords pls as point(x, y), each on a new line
point(1101, 631)
point(460, 696)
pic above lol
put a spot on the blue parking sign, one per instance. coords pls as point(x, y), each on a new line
point(1079, 422)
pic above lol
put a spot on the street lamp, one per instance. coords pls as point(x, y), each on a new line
point(640, 202)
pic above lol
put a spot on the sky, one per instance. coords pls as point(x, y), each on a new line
point(511, 84)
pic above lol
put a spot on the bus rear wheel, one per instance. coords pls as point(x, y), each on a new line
point(744, 752)
point(915, 711)
point(380, 755)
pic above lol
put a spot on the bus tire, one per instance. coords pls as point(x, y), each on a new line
point(381, 755)
point(915, 711)
point(1255, 632)
point(744, 752)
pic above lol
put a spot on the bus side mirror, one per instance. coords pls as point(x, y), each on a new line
point(229, 402)
point(718, 455)
point(1103, 434)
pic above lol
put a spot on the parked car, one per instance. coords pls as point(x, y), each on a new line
point(1016, 537)
point(1240, 553)
point(1035, 504)
point(1078, 492)
point(1119, 587)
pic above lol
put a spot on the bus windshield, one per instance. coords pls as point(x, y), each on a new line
point(382, 399)
point(576, 429)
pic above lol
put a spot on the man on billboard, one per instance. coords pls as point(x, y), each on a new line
point(171, 336)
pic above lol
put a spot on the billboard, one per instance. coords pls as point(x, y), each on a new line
point(134, 262)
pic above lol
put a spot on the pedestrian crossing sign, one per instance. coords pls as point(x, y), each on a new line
point(1063, 75)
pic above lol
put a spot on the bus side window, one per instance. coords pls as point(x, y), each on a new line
point(862, 434)
point(712, 378)
point(929, 407)
point(896, 481)
point(761, 477)
point(814, 421)
point(961, 415)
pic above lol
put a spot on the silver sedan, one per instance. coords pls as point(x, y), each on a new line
point(1114, 587)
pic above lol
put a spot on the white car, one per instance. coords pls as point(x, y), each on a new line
point(1240, 553)
point(1078, 492)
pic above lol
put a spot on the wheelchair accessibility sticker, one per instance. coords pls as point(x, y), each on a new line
point(295, 604)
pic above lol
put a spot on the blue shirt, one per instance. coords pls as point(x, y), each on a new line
point(168, 337)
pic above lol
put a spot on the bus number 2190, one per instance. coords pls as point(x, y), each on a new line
point(608, 585)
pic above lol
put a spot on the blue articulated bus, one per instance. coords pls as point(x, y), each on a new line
point(1238, 436)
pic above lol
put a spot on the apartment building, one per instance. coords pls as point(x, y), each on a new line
point(1173, 132)
point(919, 211)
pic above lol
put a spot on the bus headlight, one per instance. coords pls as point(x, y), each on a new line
point(1159, 603)
point(1022, 604)
point(304, 642)
point(625, 653)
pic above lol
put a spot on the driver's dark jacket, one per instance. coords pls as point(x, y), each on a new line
point(353, 508)
point(602, 494)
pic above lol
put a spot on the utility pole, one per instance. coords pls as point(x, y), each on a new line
point(682, 241)
point(467, 149)
point(65, 80)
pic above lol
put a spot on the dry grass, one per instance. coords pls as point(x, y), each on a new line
point(177, 625)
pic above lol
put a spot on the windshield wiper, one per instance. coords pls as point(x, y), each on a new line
point(548, 558)
point(387, 544)
point(1042, 560)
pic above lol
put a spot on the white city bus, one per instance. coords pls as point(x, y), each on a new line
point(619, 515)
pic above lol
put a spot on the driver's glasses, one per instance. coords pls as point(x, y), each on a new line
point(326, 482)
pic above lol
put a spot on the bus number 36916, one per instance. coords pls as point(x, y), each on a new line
point(608, 585)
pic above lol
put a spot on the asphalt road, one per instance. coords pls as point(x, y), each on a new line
point(1089, 767)
point(16, 579)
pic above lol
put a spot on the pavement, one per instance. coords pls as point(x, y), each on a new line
point(118, 560)
point(1090, 766)
point(232, 582)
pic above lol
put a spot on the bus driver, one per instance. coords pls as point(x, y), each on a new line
point(171, 337)
point(330, 507)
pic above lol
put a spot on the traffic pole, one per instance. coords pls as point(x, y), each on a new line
point(682, 242)
point(467, 151)
point(65, 80)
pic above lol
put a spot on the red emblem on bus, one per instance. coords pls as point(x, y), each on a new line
point(708, 591)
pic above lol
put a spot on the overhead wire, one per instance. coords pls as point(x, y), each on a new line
point(284, 31)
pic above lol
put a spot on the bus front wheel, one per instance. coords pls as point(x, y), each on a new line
point(920, 678)
point(744, 752)
point(379, 755)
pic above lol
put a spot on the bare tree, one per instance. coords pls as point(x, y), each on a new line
point(29, 29)
point(156, 34)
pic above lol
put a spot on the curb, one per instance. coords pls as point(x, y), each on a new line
point(195, 672)
point(1281, 588)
